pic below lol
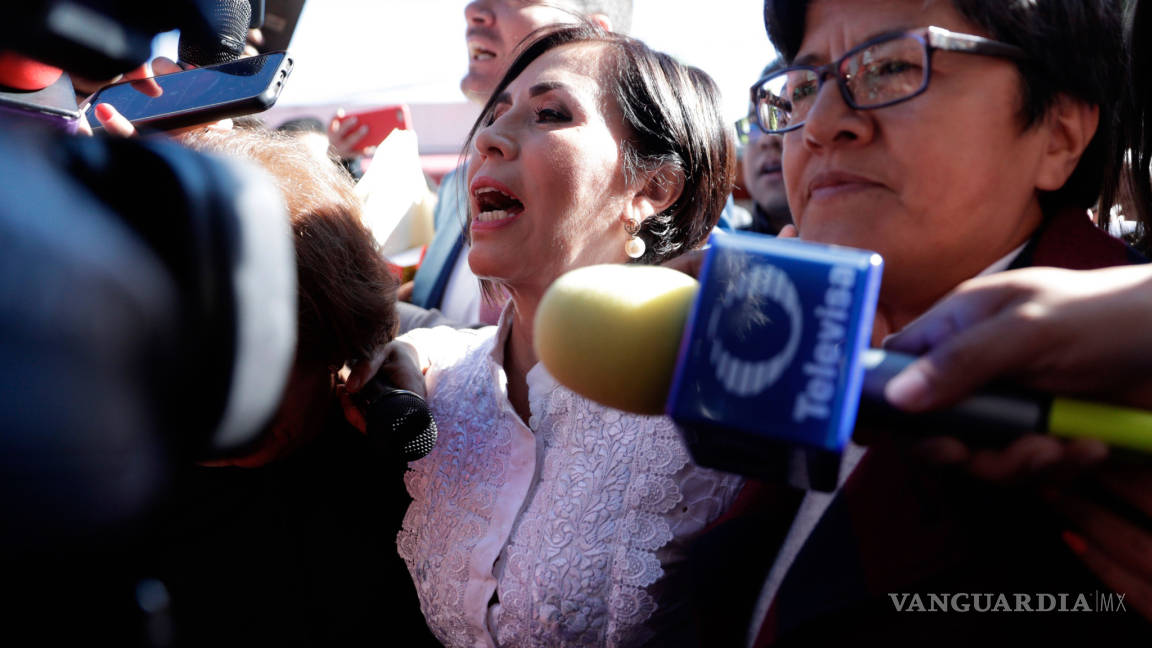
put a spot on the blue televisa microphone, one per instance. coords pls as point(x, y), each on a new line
point(765, 366)
point(771, 365)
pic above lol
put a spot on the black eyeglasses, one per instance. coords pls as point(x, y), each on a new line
point(883, 71)
point(748, 129)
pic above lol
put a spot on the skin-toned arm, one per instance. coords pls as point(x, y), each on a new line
point(1086, 333)
point(1081, 333)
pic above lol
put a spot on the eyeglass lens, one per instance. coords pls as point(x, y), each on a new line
point(747, 130)
point(879, 74)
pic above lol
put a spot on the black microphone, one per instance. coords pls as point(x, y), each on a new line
point(399, 423)
point(225, 42)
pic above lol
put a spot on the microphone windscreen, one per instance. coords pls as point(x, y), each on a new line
point(399, 422)
point(611, 333)
point(225, 43)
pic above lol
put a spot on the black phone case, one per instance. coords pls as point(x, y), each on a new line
point(246, 106)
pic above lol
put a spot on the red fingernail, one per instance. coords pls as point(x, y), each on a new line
point(104, 111)
point(1077, 544)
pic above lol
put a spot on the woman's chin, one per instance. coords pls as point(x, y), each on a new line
point(490, 266)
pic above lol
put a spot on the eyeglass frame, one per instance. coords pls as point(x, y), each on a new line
point(748, 129)
point(932, 38)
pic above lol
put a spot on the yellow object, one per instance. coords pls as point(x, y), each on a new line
point(611, 333)
point(1116, 426)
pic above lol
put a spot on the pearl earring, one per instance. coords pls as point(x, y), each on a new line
point(635, 247)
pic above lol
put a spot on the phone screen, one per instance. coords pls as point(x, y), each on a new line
point(193, 90)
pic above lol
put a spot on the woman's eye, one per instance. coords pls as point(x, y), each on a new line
point(551, 115)
point(890, 68)
point(500, 109)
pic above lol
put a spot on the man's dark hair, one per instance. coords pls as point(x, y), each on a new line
point(673, 117)
point(1074, 48)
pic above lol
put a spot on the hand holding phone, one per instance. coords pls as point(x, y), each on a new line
point(359, 132)
point(199, 95)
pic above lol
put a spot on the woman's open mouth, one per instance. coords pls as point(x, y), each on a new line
point(493, 204)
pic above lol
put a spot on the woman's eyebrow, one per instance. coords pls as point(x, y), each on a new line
point(815, 59)
point(540, 88)
point(544, 87)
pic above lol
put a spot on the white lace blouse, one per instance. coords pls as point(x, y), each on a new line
point(564, 532)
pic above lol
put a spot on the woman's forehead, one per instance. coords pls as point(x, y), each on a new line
point(581, 65)
point(832, 27)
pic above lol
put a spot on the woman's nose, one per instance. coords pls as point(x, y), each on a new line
point(831, 121)
point(493, 142)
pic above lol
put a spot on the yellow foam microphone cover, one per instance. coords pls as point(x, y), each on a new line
point(611, 333)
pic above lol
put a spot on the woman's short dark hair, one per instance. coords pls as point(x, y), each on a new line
point(673, 118)
point(1075, 49)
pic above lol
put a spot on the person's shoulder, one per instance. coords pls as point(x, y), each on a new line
point(1069, 239)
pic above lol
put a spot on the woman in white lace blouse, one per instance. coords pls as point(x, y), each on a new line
point(541, 518)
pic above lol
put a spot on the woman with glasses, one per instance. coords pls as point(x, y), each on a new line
point(956, 138)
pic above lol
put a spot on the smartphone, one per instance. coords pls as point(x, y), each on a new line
point(54, 105)
point(197, 96)
point(380, 122)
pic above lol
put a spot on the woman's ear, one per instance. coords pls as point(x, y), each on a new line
point(661, 189)
point(1070, 124)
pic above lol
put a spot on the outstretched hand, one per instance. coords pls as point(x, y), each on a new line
point(1062, 331)
point(1086, 333)
point(346, 135)
point(142, 79)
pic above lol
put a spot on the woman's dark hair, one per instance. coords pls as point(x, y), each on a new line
point(1138, 124)
point(673, 119)
point(1075, 49)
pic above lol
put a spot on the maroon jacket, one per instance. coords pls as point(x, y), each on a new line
point(898, 526)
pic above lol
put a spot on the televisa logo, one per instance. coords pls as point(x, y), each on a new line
point(823, 369)
point(763, 289)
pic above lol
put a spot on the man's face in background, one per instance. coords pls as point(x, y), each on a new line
point(495, 27)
